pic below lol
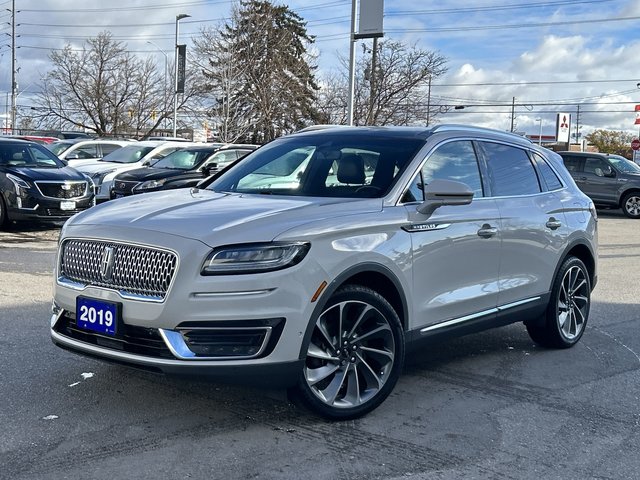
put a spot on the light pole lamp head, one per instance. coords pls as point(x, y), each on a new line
point(181, 16)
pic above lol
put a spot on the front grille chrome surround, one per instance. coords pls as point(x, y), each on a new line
point(66, 190)
point(135, 271)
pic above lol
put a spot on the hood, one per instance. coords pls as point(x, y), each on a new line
point(150, 173)
point(217, 218)
point(38, 174)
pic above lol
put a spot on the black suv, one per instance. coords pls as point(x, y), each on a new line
point(609, 180)
point(35, 184)
point(180, 169)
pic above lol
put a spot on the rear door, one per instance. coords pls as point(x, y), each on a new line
point(533, 226)
point(600, 180)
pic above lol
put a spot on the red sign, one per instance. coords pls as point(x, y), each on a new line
point(637, 115)
point(635, 144)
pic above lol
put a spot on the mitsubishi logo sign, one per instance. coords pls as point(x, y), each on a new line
point(106, 264)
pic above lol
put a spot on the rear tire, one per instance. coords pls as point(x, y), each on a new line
point(631, 205)
point(566, 316)
point(354, 357)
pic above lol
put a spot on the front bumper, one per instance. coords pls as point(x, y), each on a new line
point(32, 205)
point(246, 307)
point(281, 374)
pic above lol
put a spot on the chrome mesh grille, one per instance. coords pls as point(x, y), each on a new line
point(136, 270)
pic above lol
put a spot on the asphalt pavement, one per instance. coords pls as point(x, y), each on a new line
point(491, 405)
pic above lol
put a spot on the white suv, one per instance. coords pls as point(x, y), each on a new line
point(386, 237)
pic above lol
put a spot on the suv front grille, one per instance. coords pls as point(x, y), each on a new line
point(124, 187)
point(132, 270)
point(62, 189)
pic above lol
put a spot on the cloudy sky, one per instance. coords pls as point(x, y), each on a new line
point(551, 56)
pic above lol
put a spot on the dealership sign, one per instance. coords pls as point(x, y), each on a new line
point(563, 126)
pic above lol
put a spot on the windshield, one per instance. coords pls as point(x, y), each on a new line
point(184, 159)
point(623, 164)
point(128, 154)
point(28, 156)
point(58, 147)
point(358, 166)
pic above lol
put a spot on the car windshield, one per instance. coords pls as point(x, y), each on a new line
point(184, 159)
point(357, 166)
point(623, 164)
point(58, 147)
point(128, 154)
point(28, 156)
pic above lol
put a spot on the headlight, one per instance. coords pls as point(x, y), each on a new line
point(98, 177)
point(254, 258)
point(18, 183)
point(149, 184)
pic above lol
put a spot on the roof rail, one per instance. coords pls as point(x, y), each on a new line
point(452, 127)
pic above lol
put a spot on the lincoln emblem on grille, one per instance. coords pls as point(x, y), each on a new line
point(65, 186)
point(106, 264)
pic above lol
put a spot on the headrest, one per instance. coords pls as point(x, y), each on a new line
point(351, 169)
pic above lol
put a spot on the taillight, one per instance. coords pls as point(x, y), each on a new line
point(592, 209)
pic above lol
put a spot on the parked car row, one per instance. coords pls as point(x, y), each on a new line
point(49, 183)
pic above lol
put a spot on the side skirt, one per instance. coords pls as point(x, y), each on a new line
point(526, 310)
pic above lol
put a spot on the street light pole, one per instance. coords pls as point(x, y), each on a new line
point(352, 64)
point(14, 86)
point(539, 134)
point(175, 83)
point(166, 75)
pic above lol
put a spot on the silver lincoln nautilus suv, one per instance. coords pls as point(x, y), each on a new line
point(316, 260)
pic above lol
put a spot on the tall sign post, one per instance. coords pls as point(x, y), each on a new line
point(563, 128)
point(180, 56)
point(370, 26)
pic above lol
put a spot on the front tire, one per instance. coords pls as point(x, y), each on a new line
point(631, 205)
point(355, 355)
point(4, 215)
point(566, 316)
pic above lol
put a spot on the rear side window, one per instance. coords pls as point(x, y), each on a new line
point(511, 170)
point(572, 163)
point(546, 172)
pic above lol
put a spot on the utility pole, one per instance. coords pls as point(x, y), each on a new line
point(13, 67)
point(578, 126)
point(513, 113)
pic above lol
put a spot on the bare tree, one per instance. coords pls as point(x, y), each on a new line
point(105, 89)
point(394, 91)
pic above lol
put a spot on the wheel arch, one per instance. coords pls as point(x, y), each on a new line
point(375, 276)
point(624, 194)
point(580, 249)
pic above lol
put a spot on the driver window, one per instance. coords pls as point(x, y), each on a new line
point(454, 161)
point(596, 166)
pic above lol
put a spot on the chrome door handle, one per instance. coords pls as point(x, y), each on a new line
point(487, 231)
point(553, 223)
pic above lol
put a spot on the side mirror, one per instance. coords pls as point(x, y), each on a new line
point(444, 192)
